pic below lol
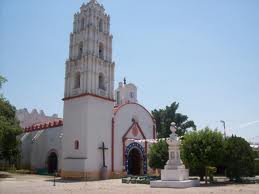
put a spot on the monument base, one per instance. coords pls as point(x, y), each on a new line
point(174, 184)
point(175, 175)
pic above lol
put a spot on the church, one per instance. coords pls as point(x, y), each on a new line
point(105, 132)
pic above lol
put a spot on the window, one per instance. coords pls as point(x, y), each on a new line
point(76, 145)
point(77, 80)
point(82, 24)
point(101, 81)
point(80, 50)
point(132, 94)
point(101, 50)
point(100, 25)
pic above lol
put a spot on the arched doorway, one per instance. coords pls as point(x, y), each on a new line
point(52, 163)
point(136, 161)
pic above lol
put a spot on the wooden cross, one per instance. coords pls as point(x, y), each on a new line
point(103, 148)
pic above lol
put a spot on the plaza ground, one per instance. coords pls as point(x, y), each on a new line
point(35, 184)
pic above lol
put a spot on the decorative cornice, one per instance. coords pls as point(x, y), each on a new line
point(88, 94)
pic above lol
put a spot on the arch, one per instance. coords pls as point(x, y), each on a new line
point(80, 50)
point(136, 159)
point(100, 25)
point(77, 80)
point(101, 83)
point(101, 50)
point(82, 24)
point(118, 108)
point(52, 162)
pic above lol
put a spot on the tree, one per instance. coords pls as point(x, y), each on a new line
point(202, 149)
point(9, 129)
point(158, 155)
point(239, 158)
point(164, 118)
point(2, 80)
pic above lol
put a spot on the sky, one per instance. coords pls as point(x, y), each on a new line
point(203, 54)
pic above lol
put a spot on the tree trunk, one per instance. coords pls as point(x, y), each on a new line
point(206, 175)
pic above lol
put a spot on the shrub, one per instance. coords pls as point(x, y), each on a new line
point(201, 149)
point(158, 155)
point(257, 167)
point(239, 158)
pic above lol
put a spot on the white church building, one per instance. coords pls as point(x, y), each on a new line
point(103, 131)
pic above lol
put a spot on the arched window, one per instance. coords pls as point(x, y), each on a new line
point(101, 50)
point(80, 50)
point(100, 25)
point(76, 145)
point(82, 24)
point(101, 81)
point(77, 80)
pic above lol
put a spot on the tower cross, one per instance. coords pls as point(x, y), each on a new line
point(103, 148)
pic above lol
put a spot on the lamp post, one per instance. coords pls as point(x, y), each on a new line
point(224, 126)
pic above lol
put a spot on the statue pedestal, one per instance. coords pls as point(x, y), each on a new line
point(175, 184)
point(174, 175)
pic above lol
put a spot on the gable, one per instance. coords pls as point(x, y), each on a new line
point(134, 132)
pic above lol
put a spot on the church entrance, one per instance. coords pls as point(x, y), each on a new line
point(52, 163)
point(136, 161)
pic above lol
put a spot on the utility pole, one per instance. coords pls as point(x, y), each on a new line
point(224, 126)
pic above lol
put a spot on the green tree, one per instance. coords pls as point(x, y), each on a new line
point(164, 118)
point(2, 80)
point(158, 155)
point(202, 149)
point(9, 129)
point(239, 158)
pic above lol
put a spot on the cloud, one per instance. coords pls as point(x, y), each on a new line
point(248, 124)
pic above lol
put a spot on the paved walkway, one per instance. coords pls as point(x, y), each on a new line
point(34, 184)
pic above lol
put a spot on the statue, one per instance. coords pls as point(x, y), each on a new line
point(174, 174)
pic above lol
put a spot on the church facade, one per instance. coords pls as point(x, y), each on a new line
point(103, 131)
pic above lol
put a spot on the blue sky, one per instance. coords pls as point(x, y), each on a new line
point(203, 54)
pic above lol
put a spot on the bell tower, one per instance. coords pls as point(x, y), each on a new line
point(89, 68)
point(88, 97)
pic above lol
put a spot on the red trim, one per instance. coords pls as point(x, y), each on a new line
point(116, 109)
point(139, 128)
point(141, 131)
point(42, 126)
point(113, 144)
point(123, 150)
point(88, 94)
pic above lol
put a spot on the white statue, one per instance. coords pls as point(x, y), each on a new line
point(174, 174)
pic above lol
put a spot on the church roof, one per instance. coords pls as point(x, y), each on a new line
point(44, 125)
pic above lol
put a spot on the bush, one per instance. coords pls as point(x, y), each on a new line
point(158, 155)
point(201, 149)
point(211, 172)
point(257, 167)
point(239, 158)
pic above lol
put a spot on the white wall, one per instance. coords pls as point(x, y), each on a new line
point(87, 119)
point(37, 145)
